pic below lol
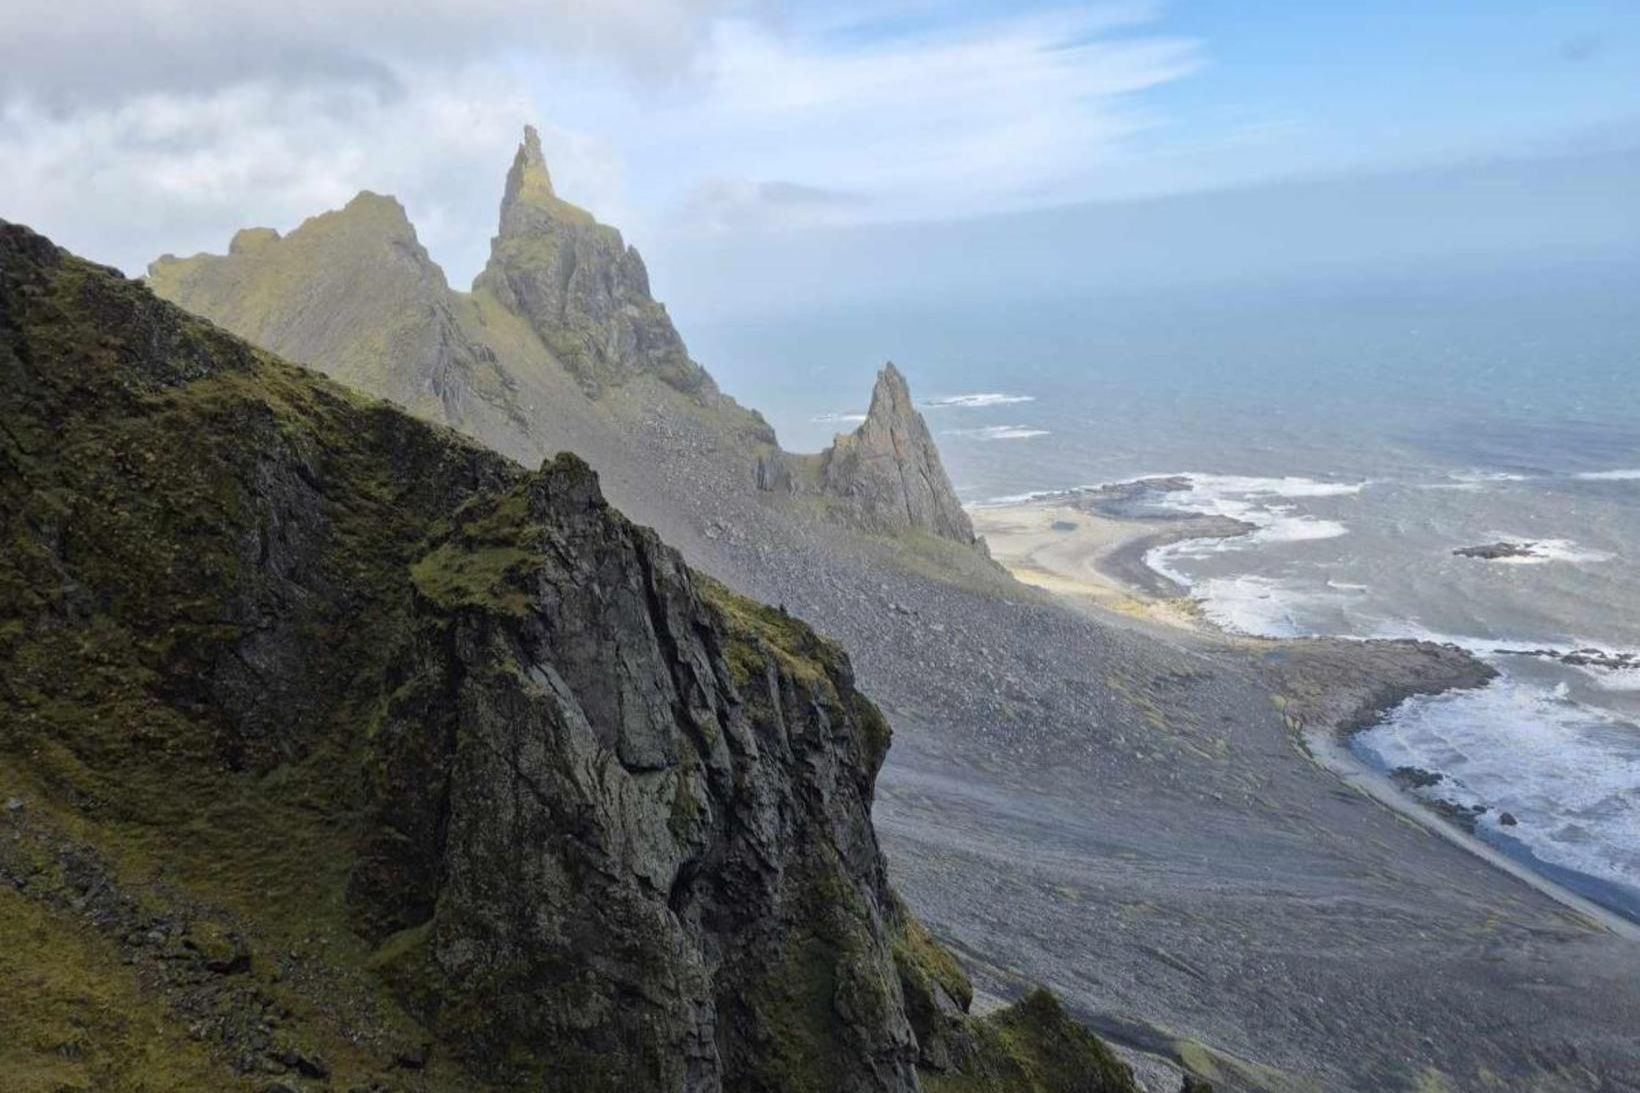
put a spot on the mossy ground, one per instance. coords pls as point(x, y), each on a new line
point(1035, 1047)
point(210, 560)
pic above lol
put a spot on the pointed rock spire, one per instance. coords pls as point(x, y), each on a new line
point(528, 181)
point(888, 471)
point(583, 290)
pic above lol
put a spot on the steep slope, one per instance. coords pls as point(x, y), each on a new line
point(887, 473)
point(354, 293)
point(560, 344)
point(583, 289)
point(338, 751)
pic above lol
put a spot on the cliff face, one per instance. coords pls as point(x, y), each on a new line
point(354, 293)
point(888, 474)
point(338, 749)
point(581, 287)
point(561, 325)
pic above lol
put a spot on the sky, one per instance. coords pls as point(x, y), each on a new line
point(710, 130)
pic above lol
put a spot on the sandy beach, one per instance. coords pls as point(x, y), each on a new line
point(1068, 547)
point(1064, 546)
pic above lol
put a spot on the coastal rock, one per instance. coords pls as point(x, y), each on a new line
point(354, 294)
point(1494, 552)
point(582, 288)
point(402, 744)
point(887, 473)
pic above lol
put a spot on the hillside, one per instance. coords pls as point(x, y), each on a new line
point(339, 752)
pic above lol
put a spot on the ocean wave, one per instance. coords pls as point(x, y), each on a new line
point(837, 419)
point(1263, 607)
point(999, 432)
point(1564, 771)
point(1619, 475)
point(1257, 502)
point(1543, 551)
point(983, 398)
point(1474, 481)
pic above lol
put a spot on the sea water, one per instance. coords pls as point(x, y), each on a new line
point(1366, 430)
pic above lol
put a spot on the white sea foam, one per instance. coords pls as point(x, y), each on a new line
point(1257, 606)
point(1570, 774)
point(999, 432)
point(837, 419)
point(1624, 474)
point(1258, 502)
point(1549, 550)
point(1474, 481)
point(983, 398)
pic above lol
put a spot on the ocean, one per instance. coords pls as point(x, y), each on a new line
point(1367, 428)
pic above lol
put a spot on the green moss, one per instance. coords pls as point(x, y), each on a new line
point(756, 631)
point(206, 568)
point(1034, 1046)
point(923, 961)
point(76, 1018)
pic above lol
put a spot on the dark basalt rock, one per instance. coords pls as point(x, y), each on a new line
point(888, 474)
point(431, 749)
point(583, 289)
point(1493, 552)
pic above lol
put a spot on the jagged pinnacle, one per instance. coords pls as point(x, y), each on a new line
point(891, 396)
point(529, 180)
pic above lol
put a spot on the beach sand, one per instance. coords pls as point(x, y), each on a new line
point(1094, 558)
point(1099, 560)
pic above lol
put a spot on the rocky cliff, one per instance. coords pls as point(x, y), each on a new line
point(338, 752)
point(887, 473)
point(352, 292)
point(583, 289)
point(559, 343)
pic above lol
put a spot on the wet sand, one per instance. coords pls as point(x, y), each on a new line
point(1064, 548)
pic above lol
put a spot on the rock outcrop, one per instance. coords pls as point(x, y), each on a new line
point(354, 294)
point(583, 289)
point(342, 753)
point(887, 473)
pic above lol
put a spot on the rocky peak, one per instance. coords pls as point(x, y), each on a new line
point(353, 293)
point(529, 183)
point(581, 287)
point(888, 471)
point(463, 781)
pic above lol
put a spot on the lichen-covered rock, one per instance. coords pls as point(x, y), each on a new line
point(610, 823)
point(583, 289)
point(354, 294)
point(887, 473)
point(340, 749)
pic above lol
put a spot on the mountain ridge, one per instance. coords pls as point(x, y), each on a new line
point(583, 295)
point(314, 757)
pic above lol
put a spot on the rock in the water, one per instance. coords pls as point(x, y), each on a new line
point(888, 474)
point(1494, 552)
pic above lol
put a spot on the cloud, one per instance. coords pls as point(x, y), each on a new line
point(67, 52)
point(931, 119)
point(730, 203)
point(164, 171)
point(139, 127)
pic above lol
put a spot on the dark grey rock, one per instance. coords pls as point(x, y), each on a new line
point(888, 472)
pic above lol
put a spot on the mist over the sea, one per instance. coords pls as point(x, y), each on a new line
point(1454, 379)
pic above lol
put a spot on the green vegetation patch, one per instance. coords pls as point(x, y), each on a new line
point(1034, 1046)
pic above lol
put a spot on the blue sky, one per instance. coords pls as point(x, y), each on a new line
point(132, 127)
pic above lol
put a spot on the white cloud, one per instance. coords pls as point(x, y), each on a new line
point(1010, 111)
point(72, 50)
point(130, 129)
point(164, 171)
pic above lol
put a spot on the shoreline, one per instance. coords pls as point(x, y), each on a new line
point(1065, 545)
